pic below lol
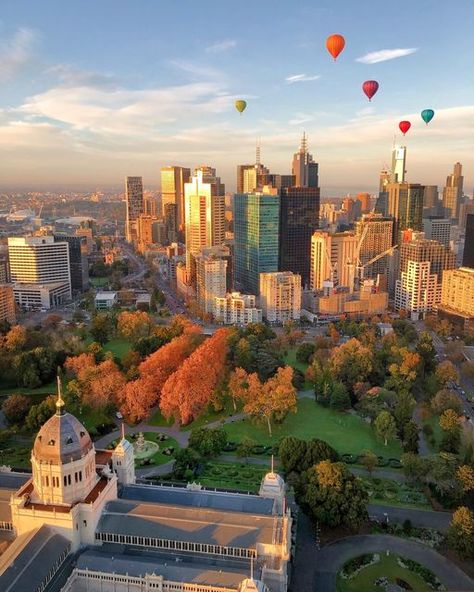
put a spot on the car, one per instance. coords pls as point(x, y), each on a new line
point(118, 415)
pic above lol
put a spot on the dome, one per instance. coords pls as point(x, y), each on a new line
point(62, 439)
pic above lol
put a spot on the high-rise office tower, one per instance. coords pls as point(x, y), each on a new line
point(457, 291)
point(256, 237)
point(399, 157)
point(173, 179)
point(438, 229)
point(423, 249)
point(280, 296)
point(204, 214)
point(4, 271)
point(468, 254)
point(453, 192)
point(252, 177)
point(331, 258)
point(211, 276)
point(134, 206)
point(299, 218)
point(431, 199)
point(365, 202)
point(78, 262)
point(466, 208)
point(405, 206)
point(40, 270)
point(304, 168)
point(374, 237)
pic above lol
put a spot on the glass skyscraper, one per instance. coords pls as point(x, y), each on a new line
point(256, 235)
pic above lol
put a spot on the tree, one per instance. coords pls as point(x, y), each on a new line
point(137, 400)
point(446, 372)
point(15, 339)
point(465, 476)
point(403, 411)
point(444, 400)
point(299, 455)
point(15, 408)
point(403, 370)
point(415, 468)
point(100, 328)
point(339, 398)
point(304, 352)
point(468, 369)
point(186, 461)
point(405, 330)
point(461, 532)
point(449, 420)
point(189, 390)
point(208, 442)
point(410, 437)
point(134, 325)
point(369, 461)
point(351, 362)
point(334, 496)
point(245, 448)
point(385, 427)
point(74, 364)
point(427, 352)
point(273, 399)
point(39, 414)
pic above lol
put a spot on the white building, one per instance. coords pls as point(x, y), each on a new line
point(40, 261)
point(417, 291)
point(70, 521)
point(211, 276)
point(105, 300)
point(237, 309)
point(280, 296)
point(331, 254)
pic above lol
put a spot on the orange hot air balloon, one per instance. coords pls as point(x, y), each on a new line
point(335, 44)
point(404, 126)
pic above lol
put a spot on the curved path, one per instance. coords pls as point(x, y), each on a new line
point(329, 560)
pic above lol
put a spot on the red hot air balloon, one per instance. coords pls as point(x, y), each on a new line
point(370, 87)
point(404, 126)
point(335, 44)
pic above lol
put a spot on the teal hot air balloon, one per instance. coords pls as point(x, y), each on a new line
point(427, 115)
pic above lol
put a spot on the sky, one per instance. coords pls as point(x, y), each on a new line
point(93, 90)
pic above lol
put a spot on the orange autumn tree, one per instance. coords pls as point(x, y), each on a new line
point(268, 401)
point(75, 364)
point(188, 392)
point(141, 395)
point(95, 385)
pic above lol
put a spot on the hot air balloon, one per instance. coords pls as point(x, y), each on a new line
point(370, 87)
point(240, 105)
point(427, 115)
point(335, 44)
point(404, 126)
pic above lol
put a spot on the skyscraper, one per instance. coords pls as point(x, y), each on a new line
point(453, 191)
point(468, 254)
point(211, 276)
point(365, 202)
point(438, 229)
point(399, 156)
point(256, 236)
point(280, 296)
point(134, 206)
point(374, 237)
point(431, 199)
point(78, 263)
point(173, 179)
point(422, 249)
point(303, 167)
point(331, 255)
point(405, 206)
point(299, 218)
point(204, 214)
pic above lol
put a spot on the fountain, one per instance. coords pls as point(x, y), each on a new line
point(144, 448)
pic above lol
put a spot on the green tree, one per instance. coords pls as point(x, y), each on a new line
point(403, 411)
point(245, 448)
point(186, 461)
point(385, 427)
point(292, 452)
point(410, 437)
point(446, 372)
point(369, 461)
point(461, 532)
point(415, 468)
point(305, 352)
point(39, 414)
point(100, 328)
point(339, 398)
point(15, 408)
point(334, 496)
point(208, 442)
point(446, 399)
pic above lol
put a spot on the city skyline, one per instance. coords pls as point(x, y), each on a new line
point(86, 109)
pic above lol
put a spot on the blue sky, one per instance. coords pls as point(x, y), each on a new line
point(93, 90)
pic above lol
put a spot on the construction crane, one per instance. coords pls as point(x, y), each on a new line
point(356, 269)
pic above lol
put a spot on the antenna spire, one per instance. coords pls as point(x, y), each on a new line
point(123, 430)
point(304, 144)
point(59, 401)
point(257, 153)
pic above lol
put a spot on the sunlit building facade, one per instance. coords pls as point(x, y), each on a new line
point(135, 206)
point(280, 296)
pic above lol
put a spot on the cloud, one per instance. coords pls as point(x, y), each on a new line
point(221, 46)
point(374, 57)
point(301, 78)
point(300, 118)
point(16, 53)
point(196, 70)
point(72, 77)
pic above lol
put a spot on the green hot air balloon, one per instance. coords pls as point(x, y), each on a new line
point(427, 115)
point(240, 105)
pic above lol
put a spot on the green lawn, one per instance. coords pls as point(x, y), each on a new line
point(232, 476)
point(347, 433)
point(46, 389)
point(158, 458)
point(387, 567)
point(158, 420)
point(98, 282)
point(290, 360)
point(119, 347)
point(16, 455)
point(392, 493)
point(211, 416)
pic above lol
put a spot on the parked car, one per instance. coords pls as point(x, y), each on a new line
point(118, 415)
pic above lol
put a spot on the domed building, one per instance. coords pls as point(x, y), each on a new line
point(80, 523)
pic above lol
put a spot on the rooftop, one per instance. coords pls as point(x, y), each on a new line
point(106, 296)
